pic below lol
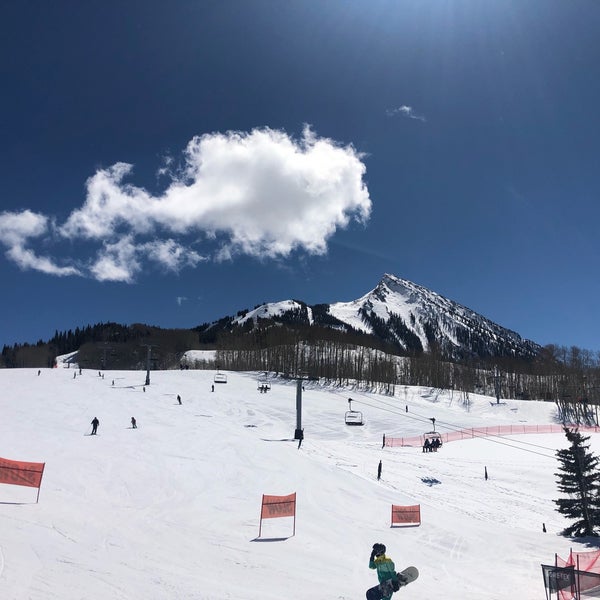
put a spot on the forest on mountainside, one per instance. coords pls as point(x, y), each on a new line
point(568, 376)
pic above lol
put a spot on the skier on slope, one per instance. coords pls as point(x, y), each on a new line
point(386, 573)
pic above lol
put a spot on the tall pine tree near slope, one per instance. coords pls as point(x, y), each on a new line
point(578, 477)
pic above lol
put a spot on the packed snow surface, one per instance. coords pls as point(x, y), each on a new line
point(171, 510)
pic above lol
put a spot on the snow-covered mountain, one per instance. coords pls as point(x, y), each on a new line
point(406, 315)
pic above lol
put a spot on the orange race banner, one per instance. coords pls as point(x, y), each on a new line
point(17, 472)
point(278, 506)
point(406, 515)
point(274, 507)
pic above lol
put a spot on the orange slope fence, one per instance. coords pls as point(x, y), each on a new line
point(15, 472)
point(475, 432)
point(406, 515)
point(273, 507)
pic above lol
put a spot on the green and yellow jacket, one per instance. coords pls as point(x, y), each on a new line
point(385, 568)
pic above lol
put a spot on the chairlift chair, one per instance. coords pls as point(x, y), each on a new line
point(220, 378)
point(431, 436)
point(354, 417)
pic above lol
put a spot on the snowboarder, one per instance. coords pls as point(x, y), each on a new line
point(179, 398)
point(95, 424)
point(133, 423)
point(386, 573)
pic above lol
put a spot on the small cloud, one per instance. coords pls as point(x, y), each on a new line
point(16, 228)
point(405, 111)
point(26, 259)
point(171, 255)
point(116, 262)
point(16, 232)
point(180, 300)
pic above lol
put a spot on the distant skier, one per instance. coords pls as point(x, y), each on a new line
point(133, 423)
point(95, 424)
point(386, 573)
point(179, 398)
point(379, 471)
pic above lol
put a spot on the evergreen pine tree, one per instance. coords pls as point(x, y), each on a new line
point(578, 478)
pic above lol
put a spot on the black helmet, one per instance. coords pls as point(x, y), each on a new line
point(379, 549)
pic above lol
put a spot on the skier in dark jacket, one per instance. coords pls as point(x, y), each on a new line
point(386, 573)
point(95, 424)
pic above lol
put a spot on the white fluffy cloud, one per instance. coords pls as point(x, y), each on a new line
point(260, 193)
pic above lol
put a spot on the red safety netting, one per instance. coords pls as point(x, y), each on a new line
point(273, 507)
point(406, 515)
point(278, 506)
point(474, 432)
point(587, 574)
point(17, 472)
point(582, 561)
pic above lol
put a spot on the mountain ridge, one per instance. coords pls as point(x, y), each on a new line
point(397, 316)
point(407, 315)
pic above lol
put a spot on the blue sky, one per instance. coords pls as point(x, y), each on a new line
point(174, 162)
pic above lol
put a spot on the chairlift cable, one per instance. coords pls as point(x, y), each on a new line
point(455, 428)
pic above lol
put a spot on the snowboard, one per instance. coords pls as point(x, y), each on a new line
point(386, 589)
point(408, 575)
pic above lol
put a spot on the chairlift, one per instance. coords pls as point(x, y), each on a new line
point(354, 417)
point(263, 384)
point(431, 436)
point(220, 378)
